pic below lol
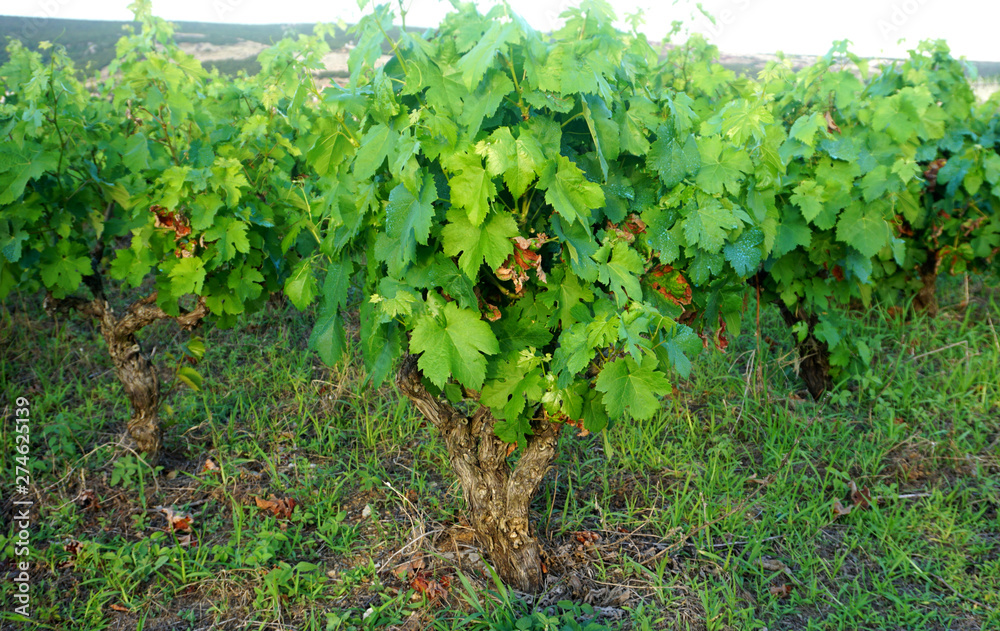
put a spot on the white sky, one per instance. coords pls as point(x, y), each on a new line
point(743, 26)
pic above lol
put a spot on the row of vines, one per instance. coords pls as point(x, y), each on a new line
point(544, 228)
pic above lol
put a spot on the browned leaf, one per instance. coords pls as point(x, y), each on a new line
point(524, 258)
point(209, 466)
point(830, 125)
point(583, 431)
point(491, 312)
point(427, 586)
point(586, 537)
point(781, 591)
point(73, 547)
point(88, 500)
point(171, 220)
point(280, 508)
point(860, 498)
point(179, 522)
point(839, 509)
point(410, 567)
point(772, 565)
point(117, 607)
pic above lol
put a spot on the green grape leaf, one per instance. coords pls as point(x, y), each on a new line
point(136, 154)
point(187, 276)
point(300, 287)
point(17, 168)
point(722, 166)
point(809, 197)
point(408, 217)
point(453, 343)
point(708, 223)
point(621, 272)
point(374, 149)
point(568, 190)
point(674, 161)
point(474, 64)
point(630, 389)
point(328, 337)
point(863, 227)
point(565, 290)
point(745, 253)
point(806, 127)
point(511, 388)
point(793, 231)
point(489, 242)
point(472, 187)
point(63, 268)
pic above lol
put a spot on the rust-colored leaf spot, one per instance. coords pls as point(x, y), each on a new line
point(838, 272)
point(670, 284)
point(632, 227)
point(171, 220)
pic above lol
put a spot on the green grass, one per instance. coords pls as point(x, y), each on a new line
point(716, 514)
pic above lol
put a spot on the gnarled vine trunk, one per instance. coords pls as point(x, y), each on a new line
point(926, 299)
point(497, 498)
point(814, 355)
point(132, 365)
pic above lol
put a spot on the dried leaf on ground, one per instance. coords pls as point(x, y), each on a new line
point(772, 565)
point(88, 500)
point(839, 509)
point(586, 537)
point(281, 508)
point(409, 568)
point(179, 522)
point(860, 498)
point(781, 591)
point(427, 586)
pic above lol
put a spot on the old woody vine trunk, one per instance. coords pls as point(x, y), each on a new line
point(814, 355)
point(497, 497)
point(132, 366)
point(926, 299)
